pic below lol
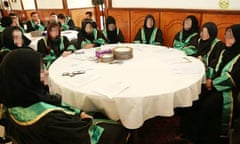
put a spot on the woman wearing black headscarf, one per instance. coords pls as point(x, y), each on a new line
point(89, 36)
point(209, 46)
point(217, 108)
point(111, 32)
point(186, 39)
point(13, 38)
point(35, 117)
point(54, 45)
point(149, 33)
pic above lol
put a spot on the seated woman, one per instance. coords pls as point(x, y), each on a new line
point(90, 37)
point(149, 34)
point(209, 46)
point(186, 40)
point(54, 45)
point(111, 32)
point(13, 38)
point(66, 22)
point(36, 117)
point(217, 107)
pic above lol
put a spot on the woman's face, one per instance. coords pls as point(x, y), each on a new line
point(89, 28)
point(54, 33)
point(204, 34)
point(187, 24)
point(229, 38)
point(111, 27)
point(17, 38)
point(149, 23)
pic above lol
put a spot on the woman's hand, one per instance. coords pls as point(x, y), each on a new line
point(209, 84)
point(83, 115)
point(200, 58)
point(66, 53)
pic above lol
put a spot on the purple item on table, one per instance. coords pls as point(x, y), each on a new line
point(99, 53)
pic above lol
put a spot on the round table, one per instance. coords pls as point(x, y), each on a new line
point(154, 82)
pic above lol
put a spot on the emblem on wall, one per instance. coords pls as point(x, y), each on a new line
point(224, 4)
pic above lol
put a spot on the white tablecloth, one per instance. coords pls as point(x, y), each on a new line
point(70, 34)
point(154, 82)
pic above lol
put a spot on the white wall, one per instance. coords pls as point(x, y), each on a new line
point(50, 4)
point(79, 4)
point(16, 5)
point(175, 4)
point(28, 4)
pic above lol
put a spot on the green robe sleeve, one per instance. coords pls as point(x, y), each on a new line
point(224, 82)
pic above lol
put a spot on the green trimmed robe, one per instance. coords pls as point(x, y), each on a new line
point(43, 123)
point(188, 45)
point(98, 39)
point(228, 84)
point(149, 36)
point(68, 24)
point(51, 51)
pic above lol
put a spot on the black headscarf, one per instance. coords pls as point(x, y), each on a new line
point(148, 31)
point(20, 83)
point(6, 21)
point(8, 41)
point(193, 29)
point(205, 45)
point(233, 51)
point(112, 35)
point(84, 33)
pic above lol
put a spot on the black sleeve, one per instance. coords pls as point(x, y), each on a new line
point(235, 73)
point(66, 42)
point(41, 47)
point(120, 36)
point(80, 37)
point(138, 36)
point(219, 47)
point(61, 128)
point(26, 41)
point(159, 37)
point(29, 27)
point(71, 24)
point(101, 35)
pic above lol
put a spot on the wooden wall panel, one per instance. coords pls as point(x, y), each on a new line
point(123, 21)
point(171, 23)
point(137, 20)
point(79, 14)
point(222, 20)
point(45, 13)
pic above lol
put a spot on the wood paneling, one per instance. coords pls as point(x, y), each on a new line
point(171, 23)
point(137, 20)
point(79, 14)
point(123, 21)
point(170, 20)
point(222, 20)
point(45, 13)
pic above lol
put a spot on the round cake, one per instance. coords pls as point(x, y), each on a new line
point(122, 53)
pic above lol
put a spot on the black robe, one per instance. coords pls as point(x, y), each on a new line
point(24, 88)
